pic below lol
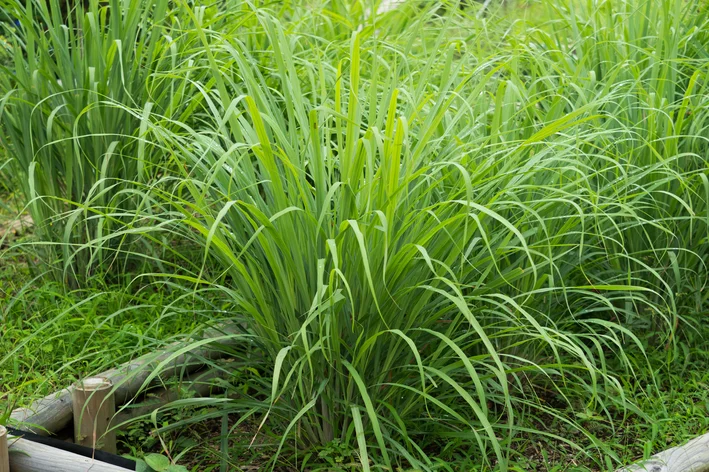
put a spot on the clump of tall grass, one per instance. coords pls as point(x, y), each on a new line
point(427, 246)
point(423, 240)
point(85, 80)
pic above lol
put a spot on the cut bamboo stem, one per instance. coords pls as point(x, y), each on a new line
point(94, 407)
point(4, 452)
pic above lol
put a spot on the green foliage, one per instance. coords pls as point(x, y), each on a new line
point(336, 454)
point(77, 99)
point(156, 463)
point(438, 251)
point(50, 338)
point(159, 463)
point(424, 243)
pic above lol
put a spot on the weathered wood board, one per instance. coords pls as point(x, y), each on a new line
point(690, 457)
point(28, 456)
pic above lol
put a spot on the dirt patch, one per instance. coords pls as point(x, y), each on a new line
point(11, 229)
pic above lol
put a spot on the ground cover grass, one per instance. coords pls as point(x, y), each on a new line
point(454, 243)
point(51, 337)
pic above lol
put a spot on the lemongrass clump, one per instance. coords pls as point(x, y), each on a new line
point(420, 237)
point(429, 245)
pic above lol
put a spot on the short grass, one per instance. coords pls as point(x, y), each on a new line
point(50, 337)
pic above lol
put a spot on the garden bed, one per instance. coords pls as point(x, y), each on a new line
point(444, 237)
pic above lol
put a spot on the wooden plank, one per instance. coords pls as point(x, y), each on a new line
point(690, 457)
point(28, 456)
point(54, 412)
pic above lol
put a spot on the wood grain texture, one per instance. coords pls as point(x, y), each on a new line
point(54, 412)
point(690, 457)
point(49, 414)
point(94, 407)
point(4, 453)
point(28, 456)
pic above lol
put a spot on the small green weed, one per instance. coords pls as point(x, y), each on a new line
point(157, 463)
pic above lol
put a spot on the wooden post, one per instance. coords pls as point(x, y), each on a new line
point(4, 452)
point(94, 406)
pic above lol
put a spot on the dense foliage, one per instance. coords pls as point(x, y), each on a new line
point(435, 231)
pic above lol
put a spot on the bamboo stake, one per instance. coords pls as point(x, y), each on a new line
point(94, 406)
point(4, 452)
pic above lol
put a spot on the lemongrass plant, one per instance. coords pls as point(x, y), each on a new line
point(424, 241)
point(85, 81)
point(428, 246)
